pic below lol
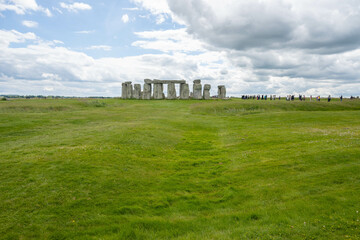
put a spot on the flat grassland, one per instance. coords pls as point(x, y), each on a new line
point(127, 169)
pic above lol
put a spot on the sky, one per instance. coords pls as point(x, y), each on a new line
point(88, 48)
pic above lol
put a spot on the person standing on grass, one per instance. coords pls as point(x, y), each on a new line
point(341, 98)
point(310, 98)
point(329, 98)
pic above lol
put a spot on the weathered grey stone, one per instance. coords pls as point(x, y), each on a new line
point(191, 95)
point(147, 92)
point(184, 91)
point(123, 91)
point(171, 91)
point(168, 81)
point(221, 92)
point(148, 81)
point(158, 91)
point(197, 89)
point(137, 91)
point(129, 90)
point(126, 91)
point(206, 93)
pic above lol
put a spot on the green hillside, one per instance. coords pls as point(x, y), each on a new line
point(231, 169)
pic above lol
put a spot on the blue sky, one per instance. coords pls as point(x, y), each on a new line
point(98, 23)
point(87, 48)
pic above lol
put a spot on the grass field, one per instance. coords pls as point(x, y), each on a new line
point(127, 169)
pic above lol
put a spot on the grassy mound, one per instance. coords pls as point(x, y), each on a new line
point(236, 106)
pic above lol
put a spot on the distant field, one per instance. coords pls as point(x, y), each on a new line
point(127, 169)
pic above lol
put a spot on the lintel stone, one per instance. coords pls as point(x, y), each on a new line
point(168, 81)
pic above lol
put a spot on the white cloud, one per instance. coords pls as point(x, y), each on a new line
point(13, 36)
point(22, 6)
point(268, 43)
point(68, 72)
point(160, 9)
point(125, 18)
point(75, 7)
point(131, 9)
point(154, 6)
point(58, 42)
point(169, 41)
point(51, 76)
point(30, 24)
point(100, 47)
point(48, 89)
point(85, 31)
point(57, 10)
point(160, 18)
point(324, 26)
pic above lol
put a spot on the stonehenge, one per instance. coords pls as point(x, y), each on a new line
point(154, 89)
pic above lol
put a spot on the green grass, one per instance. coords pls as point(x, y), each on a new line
point(127, 169)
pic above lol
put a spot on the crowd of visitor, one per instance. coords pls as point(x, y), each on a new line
point(288, 97)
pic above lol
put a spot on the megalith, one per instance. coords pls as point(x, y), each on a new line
point(197, 89)
point(158, 91)
point(147, 91)
point(206, 93)
point(221, 92)
point(184, 91)
point(123, 91)
point(137, 91)
point(127, 91)
point(171, 91)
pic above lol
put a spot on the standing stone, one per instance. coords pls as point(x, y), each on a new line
point(129, 90)
point(221, 92)
point(147, 92)
point(137, 91)
point(126, 90)
point(184, 91)
point(171, 91)
point(191, 95)
point(158, 91)
point(123, 91)
point(197, 89)
point(206, 93)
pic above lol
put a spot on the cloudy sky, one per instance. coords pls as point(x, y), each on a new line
point(88, 48)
